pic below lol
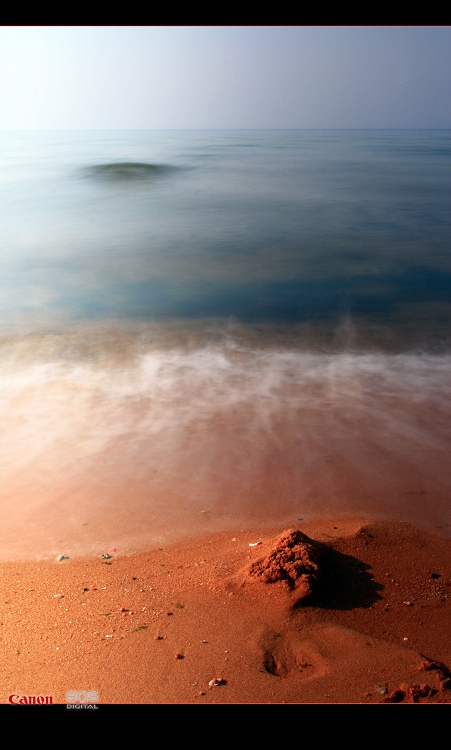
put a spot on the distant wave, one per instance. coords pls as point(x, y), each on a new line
point(128, 170)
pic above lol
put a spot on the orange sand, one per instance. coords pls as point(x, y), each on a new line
point(119, 624)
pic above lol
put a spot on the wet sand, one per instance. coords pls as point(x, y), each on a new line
point(162, 626)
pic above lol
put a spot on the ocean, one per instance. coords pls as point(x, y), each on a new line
point(203, 331)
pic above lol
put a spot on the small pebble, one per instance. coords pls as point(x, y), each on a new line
point(61, 557)
point(105, 556)
point(179, 656)
point(58, 596)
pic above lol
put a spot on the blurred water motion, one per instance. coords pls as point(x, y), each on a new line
point(259, 330)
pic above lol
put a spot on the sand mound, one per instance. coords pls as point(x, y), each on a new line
point(293, 560)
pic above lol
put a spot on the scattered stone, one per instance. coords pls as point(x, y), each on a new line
point(382, 689)
point(411, 693)
point(215, 682)
point(442, 671)
point(395, 697)
point(179, 656)
point(445, 683)
point(420, 691)
point(62, 557)
point(435, 575)
point(58, 596)
point(158, 637)
point(105, 556)
point(294, 560)
point(408, 604)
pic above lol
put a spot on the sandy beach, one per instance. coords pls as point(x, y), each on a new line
point(191, 623)
point(225, 363)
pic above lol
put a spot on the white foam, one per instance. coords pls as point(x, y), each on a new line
point(327, 427)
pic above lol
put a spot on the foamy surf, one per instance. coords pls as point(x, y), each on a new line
point(132, 442)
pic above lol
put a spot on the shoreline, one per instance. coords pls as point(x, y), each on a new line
point(158, 626)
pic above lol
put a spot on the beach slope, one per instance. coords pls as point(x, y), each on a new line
point(193, 623)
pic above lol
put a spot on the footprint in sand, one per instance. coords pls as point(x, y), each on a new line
point(284, 656)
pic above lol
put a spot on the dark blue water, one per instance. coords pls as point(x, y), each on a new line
point(258, 226)
point(220, 328)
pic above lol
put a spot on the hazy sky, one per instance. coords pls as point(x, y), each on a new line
point(225, 77)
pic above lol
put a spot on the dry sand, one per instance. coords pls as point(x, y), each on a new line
point(159, 626)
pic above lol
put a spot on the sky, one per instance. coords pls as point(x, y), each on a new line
point(224, 77)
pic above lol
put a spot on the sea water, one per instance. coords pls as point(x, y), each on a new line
point(206, 330)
